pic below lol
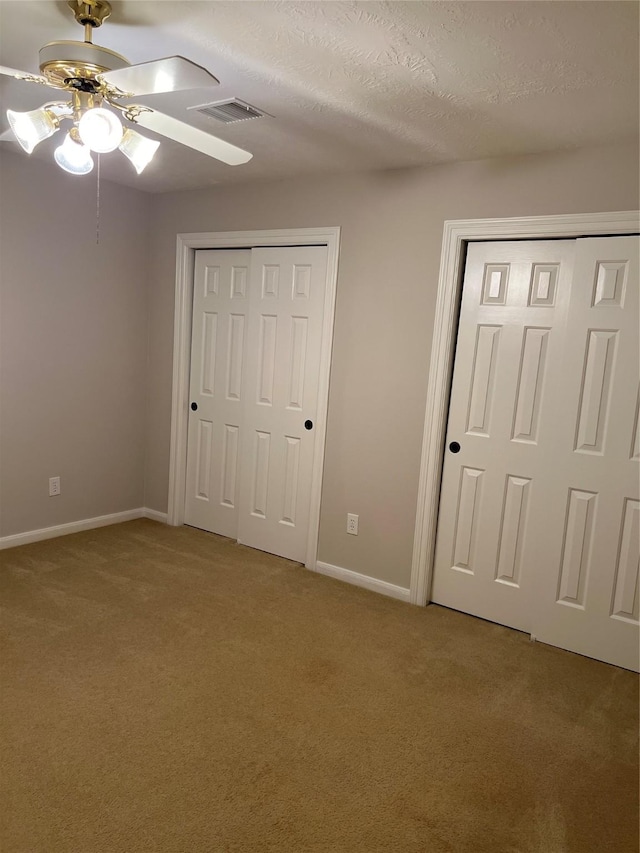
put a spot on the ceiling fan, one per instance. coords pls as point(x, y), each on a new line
point(97, 79)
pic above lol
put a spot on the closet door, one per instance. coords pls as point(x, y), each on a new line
point(220, 306)
point(539, 514)
point(589, 536)
point(283, 361)
point(255, 360)
point(501, 435)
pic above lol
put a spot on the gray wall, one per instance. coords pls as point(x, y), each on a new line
point(73, 345)
point(390, 252)
point(76, 373)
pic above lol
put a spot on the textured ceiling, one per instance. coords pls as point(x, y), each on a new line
point(361, 85)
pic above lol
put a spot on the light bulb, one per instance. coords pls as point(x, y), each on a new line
point(73, 157)
point(101, 130)
point(138, 149)
point(32, 127)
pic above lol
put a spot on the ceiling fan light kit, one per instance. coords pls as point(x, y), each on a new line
point(139, 149)
point(97, 79)
point(100, 130)
point(32, 127)
point(73, 156)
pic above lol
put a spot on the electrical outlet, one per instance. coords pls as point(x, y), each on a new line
point(54, 486)
point(352, 523)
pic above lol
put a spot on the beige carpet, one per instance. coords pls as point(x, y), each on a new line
point(169, 690)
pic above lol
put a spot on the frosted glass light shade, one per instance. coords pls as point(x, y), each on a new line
point(138, 149)
point(32, 127)
point(73, 157)
point(101, 130)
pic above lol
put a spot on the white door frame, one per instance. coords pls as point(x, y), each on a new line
point(457, 233)
point(187, 245)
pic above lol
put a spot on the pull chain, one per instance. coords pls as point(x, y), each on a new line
point(98, 204)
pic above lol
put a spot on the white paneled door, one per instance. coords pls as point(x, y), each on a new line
point(220, 318)
point(539, 521)
point(283, 361)
point(255, 361)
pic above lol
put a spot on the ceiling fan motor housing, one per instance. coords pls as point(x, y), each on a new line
point(63, 62)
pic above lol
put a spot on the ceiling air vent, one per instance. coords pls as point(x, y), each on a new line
point(229, 111)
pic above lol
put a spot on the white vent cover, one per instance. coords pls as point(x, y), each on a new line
point(229, 111)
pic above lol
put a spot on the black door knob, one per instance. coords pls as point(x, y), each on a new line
point(194, 407)
point(454, 447)
point(308, 424)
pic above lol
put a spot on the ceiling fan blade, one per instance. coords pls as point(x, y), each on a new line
point(162, 75)
point(188, 135)
point(26, 76)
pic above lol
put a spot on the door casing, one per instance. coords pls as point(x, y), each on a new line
point(187, 244)
point(457, 234)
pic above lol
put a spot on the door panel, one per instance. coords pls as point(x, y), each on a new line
point(284, 340)
point(507, 361)
point(588, 599)
point(220, 305)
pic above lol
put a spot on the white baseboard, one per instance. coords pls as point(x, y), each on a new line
point(78, 526)
point(154, 515)
point(365, 581)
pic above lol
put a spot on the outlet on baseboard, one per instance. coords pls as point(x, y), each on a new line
point(54, 486)
point(352, 523)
